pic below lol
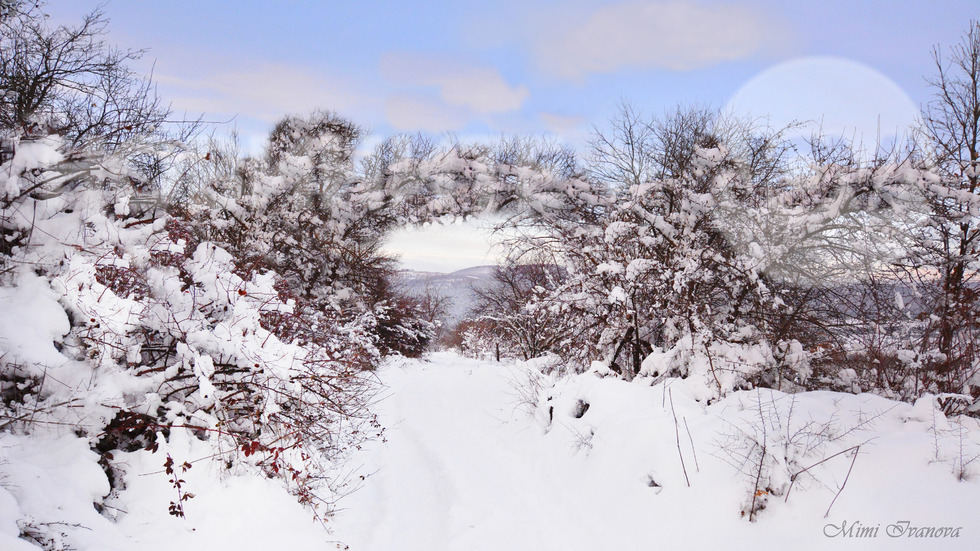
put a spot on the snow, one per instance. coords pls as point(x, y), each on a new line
point(47, 487)
point(50, 485)
point(473, 460)
point(31, 320)
point(30, 155)
point(227, 511)
point(464, 467)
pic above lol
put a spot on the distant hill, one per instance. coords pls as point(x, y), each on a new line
point(458, 287)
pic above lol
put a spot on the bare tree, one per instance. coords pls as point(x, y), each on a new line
point(66, 80)
point(951, 241)
point(13, 8)
point(506, 308)
point(433, 307)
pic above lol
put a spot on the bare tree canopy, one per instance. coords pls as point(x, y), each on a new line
point(67, 80)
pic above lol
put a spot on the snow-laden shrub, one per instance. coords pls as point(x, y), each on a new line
point(646, 265)
point(142, 329)
point(703, 241)
point(482, 338)
point(304, 214)
point(505, 321)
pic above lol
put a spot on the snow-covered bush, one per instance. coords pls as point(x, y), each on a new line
point(482, 338)
point(247, 318)
point(304, 213)
point(946, 254)
point(645, 261)
point(748, 263)
point(506, 320)
point(159, 331)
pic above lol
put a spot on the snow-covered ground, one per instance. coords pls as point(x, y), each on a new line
point(48, 486)
point(468, 464)
point(464, 467)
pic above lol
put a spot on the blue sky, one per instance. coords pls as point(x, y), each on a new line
point(541, 67)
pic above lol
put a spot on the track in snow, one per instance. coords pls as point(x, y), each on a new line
point(454, 472)
point(464, 470)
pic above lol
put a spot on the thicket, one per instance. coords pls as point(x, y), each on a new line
point(244, 300)
point(187, 287)
point(247, 299)
point(692, 244)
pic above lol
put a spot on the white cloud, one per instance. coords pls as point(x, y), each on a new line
point(416, 113)
point(562, 124)
point(444, 247)
point(674, 35)
point(572, 130)
point(265, 91)
point(480, 89)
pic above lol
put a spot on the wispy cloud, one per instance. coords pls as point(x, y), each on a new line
point(478, 88)
point(265, 91)
point(414, 113)
point(561, 124)
point(673, 35)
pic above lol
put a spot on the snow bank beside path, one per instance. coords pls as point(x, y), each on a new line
point(597, 466)
point(49, 487)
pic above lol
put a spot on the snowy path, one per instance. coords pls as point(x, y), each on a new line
point(453, 473)
point(463, 470)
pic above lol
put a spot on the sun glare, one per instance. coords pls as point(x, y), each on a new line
point(832, 95)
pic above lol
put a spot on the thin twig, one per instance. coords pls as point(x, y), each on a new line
point(792, 479)
point(762, 461)
point(677, 433)
point(827, 514)
point(711, 364)
point(694, 451)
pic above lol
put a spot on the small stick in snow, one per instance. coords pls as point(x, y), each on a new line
point(792, 479)
point(762, 460)
point(677, 433)
point(856, 450)
point(711, 364)
point(693, 450)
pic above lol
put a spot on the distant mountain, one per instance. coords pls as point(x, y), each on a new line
point(458, 287)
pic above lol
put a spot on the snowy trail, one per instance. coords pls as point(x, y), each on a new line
point(463, 469)
point(453, 473)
